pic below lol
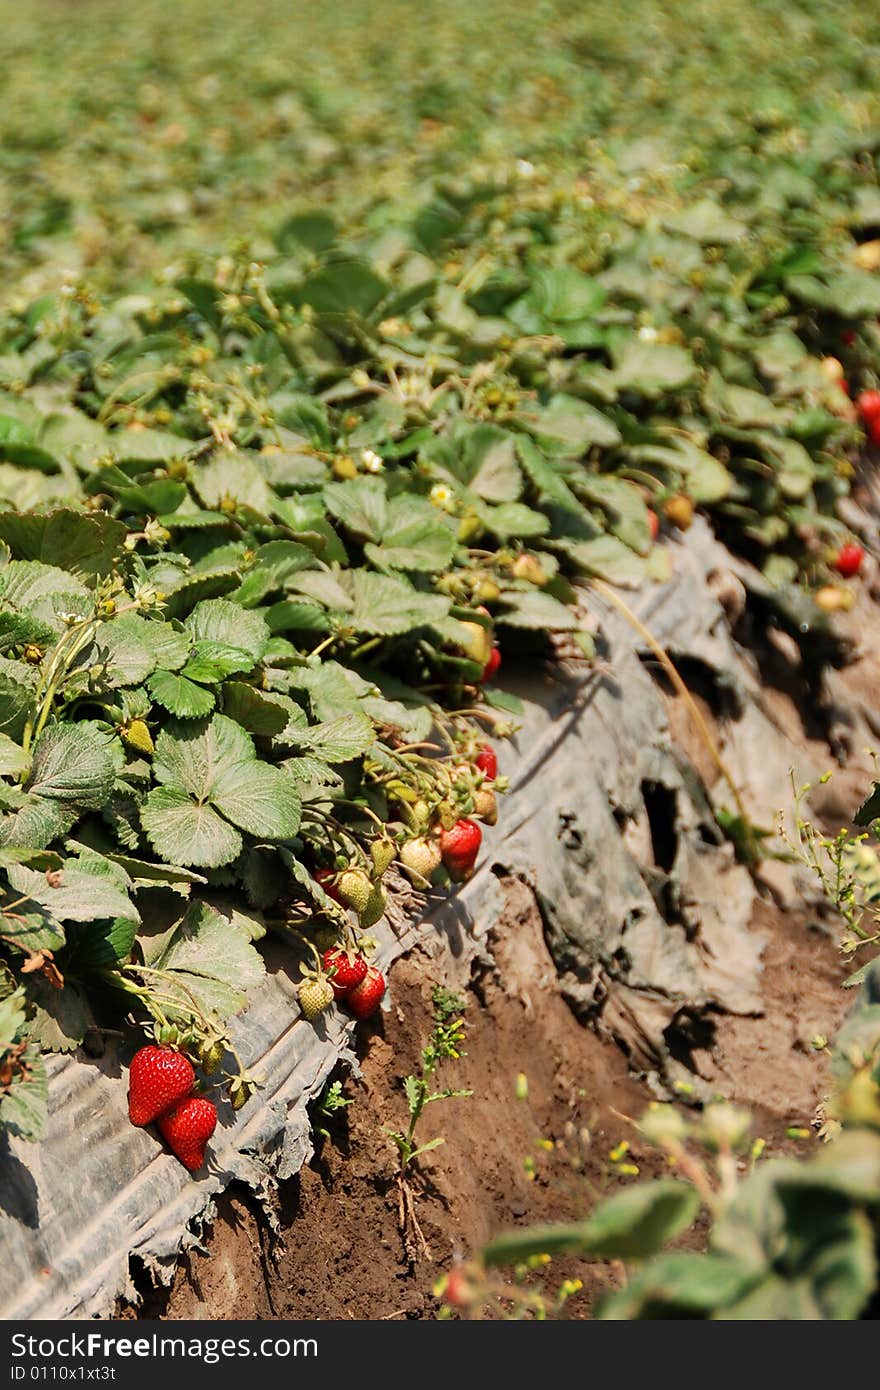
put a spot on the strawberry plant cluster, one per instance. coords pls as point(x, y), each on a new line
point(322, 387)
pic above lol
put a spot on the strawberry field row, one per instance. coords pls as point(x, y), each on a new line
point(274, 508)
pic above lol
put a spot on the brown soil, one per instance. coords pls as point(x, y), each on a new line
point(339, 1251)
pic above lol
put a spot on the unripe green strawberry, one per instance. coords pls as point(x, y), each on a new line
point(354, 888)
point(211, 1055)
point(375, 907)
point(367, 898)
point(487, 591)
point(528, 567)
point(324, 936)
point(485, 805)
point(422, 857)
point(382, 855)
point(478, 643)
point(314, 997)
point(137, 736)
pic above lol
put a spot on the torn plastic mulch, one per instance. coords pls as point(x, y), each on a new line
point(646, 914)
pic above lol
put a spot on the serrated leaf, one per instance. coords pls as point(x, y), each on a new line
point(211, 662)
point(536, 611)
point(338, 740)
point(13, 759)
point(86, 544)
point(632, 1224)
point(253, 709)
point(185, 832)
point(102, 944)
point(212, 958)
point(72, 764)
point(82, 895)
point(413, 537)
point(869, 811)
point(260, 799)
point(512, 520)
point(61, 1016)
point(606, 557)
point(360, 504)
point(551, 486)
point(123, 646)
point(651, 369)
point(488, 463)
point(229, 625)
point(179, 695)
point(237, 479)
point(343, 286)
point(193, 756)
point(679, 1284)
point(569, 426)
point(386, 606)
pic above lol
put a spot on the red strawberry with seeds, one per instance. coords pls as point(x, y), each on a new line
point(344, 969)
point(187, 1128)
point(491, 667)
point(326, 878)
point(848, 560)
point(158, 1078)
point(487, 762)
point(460, 847)
point(366, 997)
point(868, 404)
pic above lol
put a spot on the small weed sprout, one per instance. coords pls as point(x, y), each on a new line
point(444, 1044)
point(330, 1102)
point(847, 867)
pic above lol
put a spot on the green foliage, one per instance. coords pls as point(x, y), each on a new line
point(297, 358)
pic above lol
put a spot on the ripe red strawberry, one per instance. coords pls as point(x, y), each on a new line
point(868, 405)
point(487, 762)
point(366, 997)
point(653, 524)
point(327, 880)
point(460, 847)
point(187, 1128)
point(458, 1290)
point(491, 667)
point(344, 969)
point(158, 1078)
point(848, 560)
